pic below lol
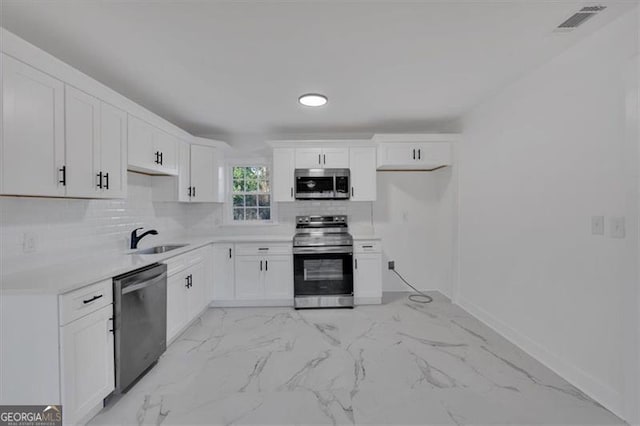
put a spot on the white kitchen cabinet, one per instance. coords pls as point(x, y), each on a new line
point(362, 163)
point(249, 277)
point(224, 272)
point(187, 289)
point(283, 181)
point(150, 149)
point(367, 272)
point(322, 158)
point(176, 304)
point(200, 176)
point(263, 274)
point(87, 363)
point(278, 277)
point(32, 143)
point(113, 150)
point(95, 144)
point(413, 155)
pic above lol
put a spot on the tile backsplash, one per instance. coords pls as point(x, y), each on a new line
point(37, 232)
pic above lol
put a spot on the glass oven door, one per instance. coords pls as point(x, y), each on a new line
point(323, 274)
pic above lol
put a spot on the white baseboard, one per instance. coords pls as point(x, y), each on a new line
point(600, 392)
point(368, 300)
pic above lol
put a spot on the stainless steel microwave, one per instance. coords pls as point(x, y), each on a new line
point(322, 184)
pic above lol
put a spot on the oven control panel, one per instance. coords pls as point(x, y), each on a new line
point(321, 221)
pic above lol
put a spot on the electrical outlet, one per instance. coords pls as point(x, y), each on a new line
point(597, 225)
point(29, 242)
point(392, 265)
point(617, 227)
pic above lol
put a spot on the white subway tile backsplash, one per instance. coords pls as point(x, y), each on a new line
point(68, 227)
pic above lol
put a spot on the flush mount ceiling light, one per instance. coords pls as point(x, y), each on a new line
point(312, 99)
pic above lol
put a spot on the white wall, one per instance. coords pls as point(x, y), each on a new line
point(537, 161)
point(414, 216)
point(65, 228)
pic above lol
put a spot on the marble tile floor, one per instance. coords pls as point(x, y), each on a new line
point(397, 363)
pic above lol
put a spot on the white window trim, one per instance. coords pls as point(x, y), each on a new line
point(228, 210)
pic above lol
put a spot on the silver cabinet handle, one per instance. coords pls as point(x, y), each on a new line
point(324, 158)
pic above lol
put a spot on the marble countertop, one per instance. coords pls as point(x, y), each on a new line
point(88, 269)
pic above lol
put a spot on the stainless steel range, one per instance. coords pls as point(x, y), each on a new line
point(323, 262)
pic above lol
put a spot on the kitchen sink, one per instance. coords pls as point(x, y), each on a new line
point(159, 249)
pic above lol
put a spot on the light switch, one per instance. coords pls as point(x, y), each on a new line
point(617, 227)
point(597, 225)
point(29, 242)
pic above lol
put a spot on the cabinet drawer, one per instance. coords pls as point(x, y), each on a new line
point(252, 249)
point(367, 246)
point(84, 301)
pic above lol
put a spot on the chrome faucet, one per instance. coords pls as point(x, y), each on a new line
point(135, 239)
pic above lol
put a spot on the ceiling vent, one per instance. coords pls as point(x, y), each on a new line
point(580, 17)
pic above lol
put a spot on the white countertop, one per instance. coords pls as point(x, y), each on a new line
point(92, 268)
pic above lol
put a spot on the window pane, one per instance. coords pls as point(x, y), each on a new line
point(252, 214)
point(238, 200)
point(251, 173)
point(238, 214)
point(238, 173)
point(238, 185)
point(264, 186)
point(265, 214)
point(264, 200)
point(251, 200)
point(251, 185)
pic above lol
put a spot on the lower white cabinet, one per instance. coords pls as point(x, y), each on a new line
point(187, 289)
point(253, 274)
point(264, 277)
point(224, 272)
point(367, 272)
point(87, 363)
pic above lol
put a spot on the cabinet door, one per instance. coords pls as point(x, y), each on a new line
point(184, 173)
point(362, 163)
point(176, 304)
point(113, 149)
point(278, 277)
point(367, 276)
point(396, 154)
point(203, 173)
point(283, 174)
point(82, 122)
point(433, 154)
point(223, 272)
point(197, 292)
point(140, 145)
point(87, 363)
point(249, 280)
point(32, 142)
point(167, 146)
point(308, 158)
point(335, 158)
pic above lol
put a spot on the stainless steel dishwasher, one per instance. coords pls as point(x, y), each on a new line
point(140, 307)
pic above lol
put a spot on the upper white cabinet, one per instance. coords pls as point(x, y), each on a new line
point(200, 176)
point(95, 147)
point(283, 181)
point(413, 152)
point(322, 158)
point(362, 162)
point(32, 132)
point(151, 150)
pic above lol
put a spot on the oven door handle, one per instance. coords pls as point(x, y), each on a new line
point(304, 274)
point(323, 250)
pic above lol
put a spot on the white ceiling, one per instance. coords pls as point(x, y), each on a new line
point(223, 68)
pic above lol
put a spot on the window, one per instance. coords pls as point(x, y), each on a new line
point(251, 194)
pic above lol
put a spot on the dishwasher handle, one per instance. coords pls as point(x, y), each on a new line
point(144, 284)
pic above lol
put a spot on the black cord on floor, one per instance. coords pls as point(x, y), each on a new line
point(415, 297)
